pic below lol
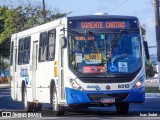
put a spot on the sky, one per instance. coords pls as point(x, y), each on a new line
point(143, 9)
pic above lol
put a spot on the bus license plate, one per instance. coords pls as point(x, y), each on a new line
point(108, 100)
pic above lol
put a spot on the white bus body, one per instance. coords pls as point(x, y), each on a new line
point(33, 78)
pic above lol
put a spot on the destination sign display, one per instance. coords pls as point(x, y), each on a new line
point(102, 24)
point(92, 25)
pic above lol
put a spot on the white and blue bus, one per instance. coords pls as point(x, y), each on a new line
point(82, 61)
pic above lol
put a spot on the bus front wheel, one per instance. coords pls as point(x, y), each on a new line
point(57, 109)
point(28, 106)
point(122, 108)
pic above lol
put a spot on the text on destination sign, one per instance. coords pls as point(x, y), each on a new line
point(93, 25)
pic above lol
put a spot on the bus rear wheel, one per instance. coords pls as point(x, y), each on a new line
point(122, 108)
point(28, 106)
point(57, 109)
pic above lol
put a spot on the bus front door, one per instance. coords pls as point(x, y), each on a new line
point(61, 71)
point(34, 69)
point(13, 71)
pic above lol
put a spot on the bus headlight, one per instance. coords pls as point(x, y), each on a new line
point(139, 83)
point(74, 84)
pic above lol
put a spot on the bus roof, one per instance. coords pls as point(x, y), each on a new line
point(56, 23)
point(102, 17)
point(39, 28)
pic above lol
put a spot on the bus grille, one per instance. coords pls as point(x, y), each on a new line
point(118, 97)
point(107, 80)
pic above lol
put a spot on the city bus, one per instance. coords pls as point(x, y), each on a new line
point(79, 62)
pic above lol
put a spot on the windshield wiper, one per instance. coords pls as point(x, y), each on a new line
point(88, 34)
point(113, 43)
point(96, 49)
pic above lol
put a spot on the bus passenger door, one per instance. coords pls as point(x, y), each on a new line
point(34, 68)
point(61, 60)
point(13, 72)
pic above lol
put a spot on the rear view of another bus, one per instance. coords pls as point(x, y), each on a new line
point(106, 62)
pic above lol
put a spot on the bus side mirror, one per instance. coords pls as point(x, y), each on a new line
point(63, 42)
point(146, 50)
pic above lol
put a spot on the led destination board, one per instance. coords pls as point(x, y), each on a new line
point(93, 25)
point(102, 24)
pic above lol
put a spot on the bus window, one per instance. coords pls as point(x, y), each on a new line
point(26, 50)
point(42, 46)
point(51, 45)
point(20, 51)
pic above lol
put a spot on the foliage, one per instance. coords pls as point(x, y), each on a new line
point(152, 89)
point(143, 31)
point(4, 64)
point(150, 70)
point(21, 15)
point(8, 26)
point(24, 16)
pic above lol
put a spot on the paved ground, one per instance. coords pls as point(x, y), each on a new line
point(136, 111)
point(4, 85)
point(152, 82)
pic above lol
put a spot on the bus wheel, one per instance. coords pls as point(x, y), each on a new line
point(57, 109)
point(38, 107)
point(122, 108)
point(28, 106)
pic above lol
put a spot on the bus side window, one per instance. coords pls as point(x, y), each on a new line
point(20, 51)
point(51, 44)
point(11, 53)
point(26, 53)
point(42, 46)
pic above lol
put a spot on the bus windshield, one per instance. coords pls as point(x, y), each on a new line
point(105, 53)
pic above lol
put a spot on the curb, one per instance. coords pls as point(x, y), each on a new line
point(152, 81)
point(4, 85)
point(148, 95)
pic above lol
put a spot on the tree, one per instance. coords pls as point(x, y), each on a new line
point(34, 14)
point(143, 31)
point(150, 70)
point(16, 18)
point(24, 16)
point(8, 26)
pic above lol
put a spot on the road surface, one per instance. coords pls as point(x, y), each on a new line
point(148, 110)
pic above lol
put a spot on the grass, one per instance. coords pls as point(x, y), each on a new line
point(152, 90)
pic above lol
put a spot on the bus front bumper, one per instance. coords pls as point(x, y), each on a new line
point(87, 97)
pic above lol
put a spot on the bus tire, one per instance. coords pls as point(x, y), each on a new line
point(122, 108)
point(28, 106)
point(38, 107)
point(57, 109)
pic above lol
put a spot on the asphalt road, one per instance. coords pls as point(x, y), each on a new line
point(148, 110)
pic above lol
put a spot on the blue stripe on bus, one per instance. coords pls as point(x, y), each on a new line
point(81, 97)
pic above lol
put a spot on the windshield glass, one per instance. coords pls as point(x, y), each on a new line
point(111, 53)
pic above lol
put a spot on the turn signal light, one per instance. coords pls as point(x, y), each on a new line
point(55, 68)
